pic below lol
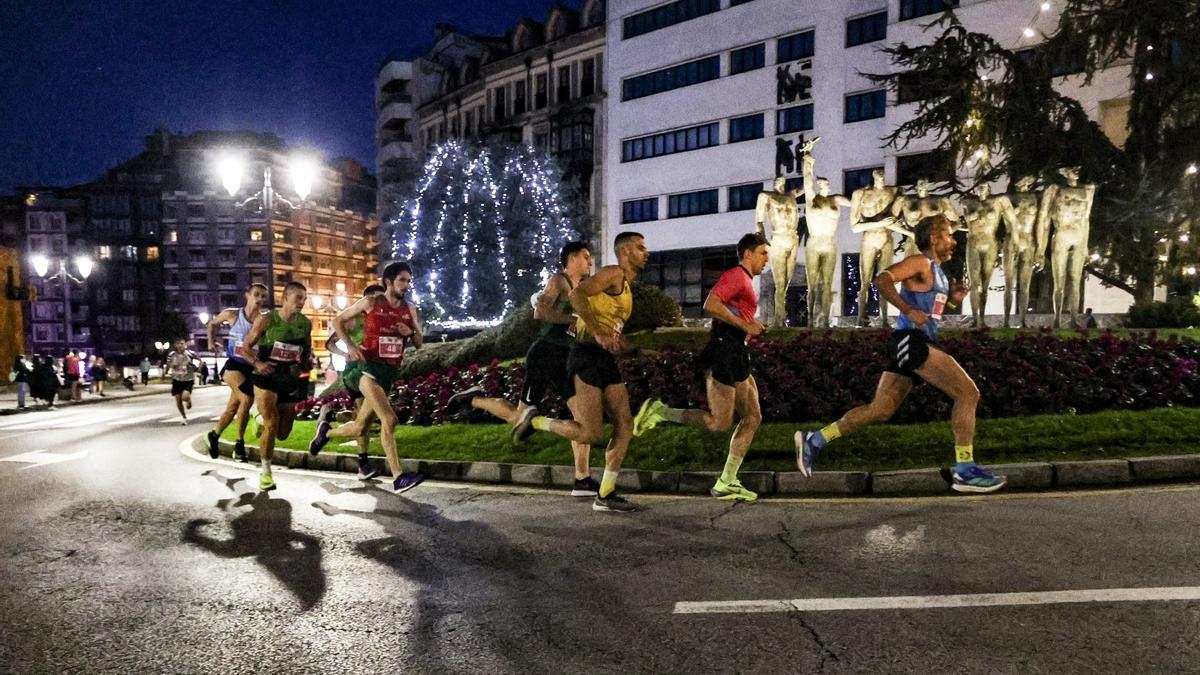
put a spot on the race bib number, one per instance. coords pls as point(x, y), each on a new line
point(391, 347)
point(939, 304)
point(285, 353)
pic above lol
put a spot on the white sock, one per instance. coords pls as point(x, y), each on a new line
point(266, 465)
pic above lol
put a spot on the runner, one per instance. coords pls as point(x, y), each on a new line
point(389, 324)
point(181, 364)
point(603, 303)
point(915, 356)
point(725, 363)
point(237, 371)
point(546, 360)
point(366, 468)
point(278, 346)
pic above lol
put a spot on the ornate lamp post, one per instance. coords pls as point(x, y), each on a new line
point(83, 266)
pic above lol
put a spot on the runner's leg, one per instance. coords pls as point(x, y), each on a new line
point(376, 401)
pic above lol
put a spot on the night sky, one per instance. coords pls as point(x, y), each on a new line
point(84, 82)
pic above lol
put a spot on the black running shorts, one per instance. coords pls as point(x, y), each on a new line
point(285, 382)
point(180, 386)
point(239, 366)
point(593, 364)
point(727, 360)
point(545, 367)
point(907, 351)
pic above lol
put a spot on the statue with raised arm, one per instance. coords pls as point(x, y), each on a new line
point(910, 209)
point(983, 213)
point(779, 210)
point(1024, 248)
point(822, 212)
point(871, 214)
point(1069, 209)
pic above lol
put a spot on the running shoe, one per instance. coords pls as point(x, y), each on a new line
point(805, 452)
point(319, 439)
point(266, 482)
point(977, 479)
point(586, 487)
point(214, 448)
point(183, 422)
point(367, 469)
point(732, 491)
point(239, 451)
point(460, 403)
point(648, 416)
point(613, 502)
point(406, 481)
point(523, 427)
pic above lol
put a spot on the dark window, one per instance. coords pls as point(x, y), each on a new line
point(864, 29)
point(564, 84)
point(1059, 69)
point(667, 15)
point(199, 277)
point(744, 197)
point(911, 9)
point(913, 86)
point(518, 104)
point(195, 210)
point(792, 47)
point(540, 87)
point(499, 105)
point(746, 128)
point(858, 178)
point(687, 276)
point(692, 204)
point(639, 210)
point(587, 78)
point(936, 166)
point(670, 142)
point(798, 118)
point(683, 75)
point(868, 106)
point(228, 278)
point(747, 58)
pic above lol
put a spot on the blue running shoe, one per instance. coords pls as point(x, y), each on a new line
point(319, 439)
point(977, 479)
point(805, 452)
point(406, 481)
point(367, 469)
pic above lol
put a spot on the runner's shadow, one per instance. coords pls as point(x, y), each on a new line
point(265, 533)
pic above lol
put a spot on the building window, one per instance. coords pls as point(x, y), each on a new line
point(225, 235)
point(519, 101)
point(225, 256)
point(670, 142)
point(197, 237)
point(687, 276)
point(564, 84)
point(129, 296)
point(682, 75)
point(128, 253)
point(195, 210)
point(255, 255)
point(913, 86)
point(540, 87)
point(639, 210)
point(744, 197)
point(692, 203)
point(499, 104)
point(103, 252)
point(151, 253)
point(587, 78)
point(911, 9)
point(196, 257)
point(858, 178)
point(746, 128)
point(792, 47)
point(172, 236)
point(199, 299)
point(256, 235)
point(469, 119)
point(667, 15)
point(864, 29)
point(199, 277)
point(797, 118)
point(228, 278)
point(747, 58)
point(936, 166)
point(867, 106)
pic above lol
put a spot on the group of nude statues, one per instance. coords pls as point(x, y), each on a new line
point(878, 211)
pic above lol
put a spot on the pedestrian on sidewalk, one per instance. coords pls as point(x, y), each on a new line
point(99, 374)
point(20, 374)
point(43, 381)
point(144, 367)
point(71, 374)
point(203, 372)
point(89, 372)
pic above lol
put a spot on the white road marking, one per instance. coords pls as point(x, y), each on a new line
point(133, 420)
point(1161, 594)
point(42, 457)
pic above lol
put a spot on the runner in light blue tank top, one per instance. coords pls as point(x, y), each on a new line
point(236, 371)
point(932, 302)
point(237, 334)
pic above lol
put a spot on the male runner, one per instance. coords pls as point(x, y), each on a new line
point(389, 324)
point(237, 371)
point(181, 363)
point(546, 360)
point(725, 361)
point(366, 468)
point(279, 347)
point(603, 303)
point(914, 355)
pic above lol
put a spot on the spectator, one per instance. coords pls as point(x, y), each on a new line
point(71, 374)
point(20, 375)
point(43, 381)
point(88, 371)
point(99, 374)
point(203, 371)
point(144, 367)
point(1087, 320)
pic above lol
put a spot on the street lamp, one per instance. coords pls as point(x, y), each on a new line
point(83, 265)
point(230, 168)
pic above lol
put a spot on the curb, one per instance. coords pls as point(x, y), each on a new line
point(1030, 476)
point(88, 401)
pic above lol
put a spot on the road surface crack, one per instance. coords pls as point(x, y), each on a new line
point(712, 519)
point(784, 538)
point(827, 654)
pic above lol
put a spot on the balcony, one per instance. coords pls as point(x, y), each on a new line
point(386, 98)
point(393, 71)
point(396, 150)
point(392, 111)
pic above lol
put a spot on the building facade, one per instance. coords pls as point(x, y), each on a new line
point(711, 99)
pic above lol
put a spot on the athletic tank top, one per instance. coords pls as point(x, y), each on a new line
point(932, 302)
point(381, 339)
point(559, 333)
point(285, 342)
point(611, 312)
point(355, 332)
point(237, 335)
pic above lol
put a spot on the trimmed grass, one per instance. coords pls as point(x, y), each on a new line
point(1044, 438)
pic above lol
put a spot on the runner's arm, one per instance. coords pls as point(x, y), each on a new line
point(912, 267)
point(607, 278)
point(715, 307)
point(545, 309)
point(418, 336)
point(359, 308)
point(247, 349)
point(224, 316)
point(331, 345)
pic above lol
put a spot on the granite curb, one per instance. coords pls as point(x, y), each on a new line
point(1027, 476)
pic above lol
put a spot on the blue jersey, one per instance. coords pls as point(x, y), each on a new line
point(932, 302)
point(237, 335)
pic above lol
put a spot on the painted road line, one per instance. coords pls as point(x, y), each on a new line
point(43, 457)
point(134, 420)
point(1162, 594)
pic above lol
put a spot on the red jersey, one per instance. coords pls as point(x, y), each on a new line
point(735, 289)
point(381, 332)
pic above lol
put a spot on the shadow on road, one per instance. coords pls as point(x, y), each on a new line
point(265, 533)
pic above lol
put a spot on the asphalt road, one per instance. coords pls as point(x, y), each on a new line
point(120, 553)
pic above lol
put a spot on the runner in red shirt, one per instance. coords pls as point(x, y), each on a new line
point(725, 363)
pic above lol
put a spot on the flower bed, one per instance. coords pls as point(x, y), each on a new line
point(816, 377)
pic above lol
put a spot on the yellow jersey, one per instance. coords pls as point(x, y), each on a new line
point(611, 312)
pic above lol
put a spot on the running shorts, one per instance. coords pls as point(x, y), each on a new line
point(545, 367)
point(180, 386)
point(593, 364)
point(284, 381)
point(907, 351)
point(727, 360)
point(239, 366)
point(384, 374)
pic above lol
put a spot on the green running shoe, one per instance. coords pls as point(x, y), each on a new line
point(732, 491)
point(266, 483)
point(648, 416)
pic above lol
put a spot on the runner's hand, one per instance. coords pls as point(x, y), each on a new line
point(404, 331)
point(354, 353)
point(754, 328)
point(264, 367)
point(959, 290)
point(917, 317)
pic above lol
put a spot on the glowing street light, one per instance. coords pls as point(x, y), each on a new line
point(83, 265)
point(341, 301)
point(230, 169)
point(304, 173)
point(316, 300)
point(41, 264)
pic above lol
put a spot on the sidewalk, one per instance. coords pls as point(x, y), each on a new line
point(8, 396)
